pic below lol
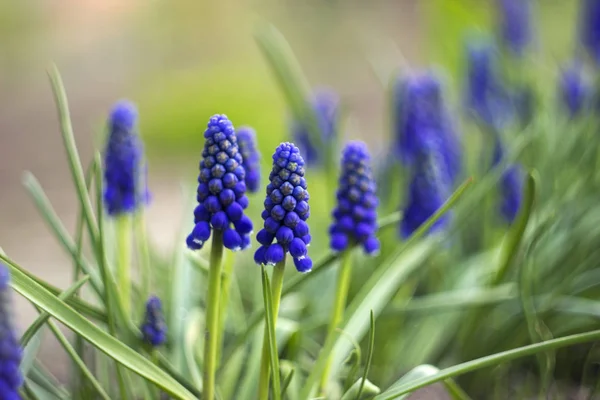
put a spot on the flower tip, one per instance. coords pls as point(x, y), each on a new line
point(123, 115)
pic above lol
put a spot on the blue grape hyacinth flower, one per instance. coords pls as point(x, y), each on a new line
point(574, 90)
point(154, 327)
point(125, 175)
point(421, 116)
point(511, 185)
point(286, 211)
point(11, 352)
point(589, 26)
point(250, 156)
point(515, 24)
point(429, 189)
point(325, 104)
point(355, 217)
point(221, 191)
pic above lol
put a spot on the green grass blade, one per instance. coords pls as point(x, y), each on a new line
point(104, 342)
point(170, 368)
point(43, 317)
point(270, 330)
point(426, 370)
point(286, 382)
point(494, 359)
point(369, 355)
point(68, 137)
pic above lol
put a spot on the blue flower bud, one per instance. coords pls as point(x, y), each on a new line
point(303, 264)
point(281, 222)
point(251, 157)
point(515, 24)
point(11, 352)
point(154, 328)
point(125, 188)
point(590, 28)
point(221, 191)
point(354, 219)
point(325, 105)
point(511, 186)
point(574, 90)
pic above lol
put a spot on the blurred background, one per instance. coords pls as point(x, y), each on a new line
point(182, 61)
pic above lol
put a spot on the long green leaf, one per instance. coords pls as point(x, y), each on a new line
point(494, 359)
point(104, 342)
point(426, 370)
point(369, 355)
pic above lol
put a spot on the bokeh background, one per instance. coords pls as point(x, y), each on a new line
point(182, 61)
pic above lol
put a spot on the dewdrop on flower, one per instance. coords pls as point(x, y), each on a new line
point(421, 115)
point(250, 156)
point(286, 211)
point(325, 104)
point(515, 24)
point(11, 352)
point(154, 327)
point(355, 217)
point(125, 175)
point(221, 191)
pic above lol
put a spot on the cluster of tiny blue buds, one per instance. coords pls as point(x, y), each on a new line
point(355, 217)
point(511, 185)
point(124, 189)
point(515, 24)
point(221, 189)
point(574, 90)
point(286, 212)
point(590, 28)
point(11, 352)
point(154, 328)
point(250, 156)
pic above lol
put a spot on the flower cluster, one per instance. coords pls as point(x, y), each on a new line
point(124, 173)
point(250, 157)
point(325, 105)
point(355, 217)
point(286, 212)
point(515, 24)
point(574, 90)
point(590, 28)
point(511, 185)
point(421, 115)
point(221, 189)
point(429, 189)
point(10, 349)
point(154, 328)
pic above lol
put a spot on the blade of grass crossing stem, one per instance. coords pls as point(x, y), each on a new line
point(484, 362)
point(425, 370)
point(274, 356)
point(170, 368)
point(77, 174)
point(377, 292)
point(369, 355)
point(517, 230)
point(45, 209)
point(96, 336)
point(43, 317)
point(286, 382)
point(296, 280)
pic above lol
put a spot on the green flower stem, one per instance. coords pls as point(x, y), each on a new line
point(341, 294)
point(265, 365)
point(123, 223)
point(144, 253)
point(225, 286)
point(212, 315)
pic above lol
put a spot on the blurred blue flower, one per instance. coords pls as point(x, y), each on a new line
point(515, 24)
point(286, 211)
point(11, 352)
point(325, 104)
point(511, 185)
point(486, 96)
point(574, 91)
point(589, 25)
point(154, 328)
point(421, 116)
point(250, 157)
point(125, 175)
point(221, 189)
point(355, 217)
point(429, 189)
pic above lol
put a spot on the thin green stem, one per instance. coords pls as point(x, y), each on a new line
point(123, 224)
point(265, 364)
point(212, 315)
point(225, 286)
point(341, 294)
point(144, 253)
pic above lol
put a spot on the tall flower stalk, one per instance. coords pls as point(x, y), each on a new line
point(355, 224)
point(285, 231)
point(125, 187)
point(222, 199)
